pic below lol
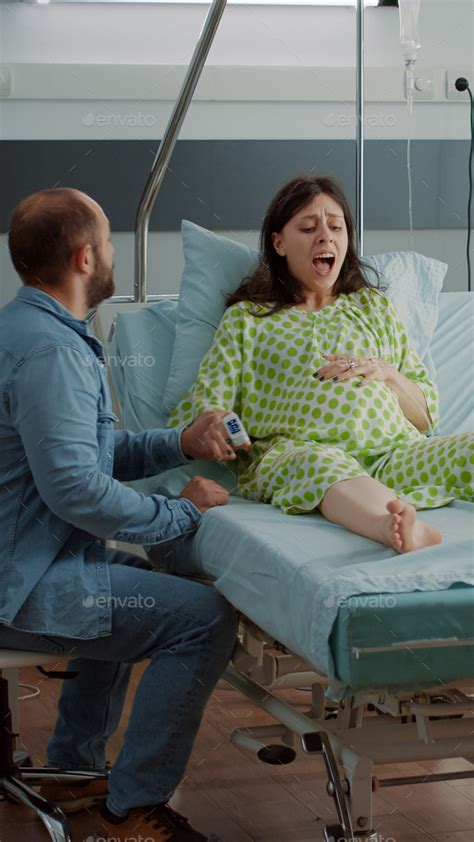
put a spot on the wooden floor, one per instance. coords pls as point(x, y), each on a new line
point(228, 791)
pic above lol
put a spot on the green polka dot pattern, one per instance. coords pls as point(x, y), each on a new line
point(308, 434)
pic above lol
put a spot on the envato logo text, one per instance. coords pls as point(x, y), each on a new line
point(118, 120)
point(127, 361)
point(132, 360)
point(374, 121)
point(343, 839)
point(368, 601)
point(138, 838)
point(136, 601)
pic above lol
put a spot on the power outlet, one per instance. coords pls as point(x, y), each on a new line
point(451, 92)
point(423, 88)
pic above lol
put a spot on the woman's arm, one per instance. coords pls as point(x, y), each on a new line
point(218, 382)
point(411, 398)
point(408, 377)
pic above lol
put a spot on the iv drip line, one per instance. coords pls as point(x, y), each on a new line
point(410, 84)
point(410, 42)
point(410, 194)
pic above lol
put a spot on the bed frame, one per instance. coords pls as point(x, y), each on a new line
point(364, 730)
point(353, 736)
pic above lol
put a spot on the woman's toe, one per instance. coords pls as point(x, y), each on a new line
point(395, 506)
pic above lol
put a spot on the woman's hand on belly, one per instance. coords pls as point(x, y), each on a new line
point(410, 397)
point(346, 366)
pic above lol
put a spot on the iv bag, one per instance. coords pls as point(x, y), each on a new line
point(409, 37)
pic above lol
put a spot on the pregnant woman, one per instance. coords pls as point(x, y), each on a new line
point(338, 405)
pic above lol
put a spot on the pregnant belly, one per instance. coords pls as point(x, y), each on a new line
point(357, 417)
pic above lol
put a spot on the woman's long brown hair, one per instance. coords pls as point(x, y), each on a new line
point(271, 282)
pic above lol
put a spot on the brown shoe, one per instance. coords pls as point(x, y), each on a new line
point(75, 796)
point(153, 824)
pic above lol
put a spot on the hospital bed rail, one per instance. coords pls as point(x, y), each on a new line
point(168, 143)
point(170, 137)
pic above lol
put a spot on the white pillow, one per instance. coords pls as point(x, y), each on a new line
point(413, 283)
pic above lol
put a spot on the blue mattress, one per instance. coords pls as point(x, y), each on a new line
point(388, 640)
point(295, 575)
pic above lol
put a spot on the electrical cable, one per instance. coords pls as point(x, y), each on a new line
point(462, 84)
point(33, 687)
point(469, 226)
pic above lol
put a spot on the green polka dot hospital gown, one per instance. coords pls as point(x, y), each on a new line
point(308, 434)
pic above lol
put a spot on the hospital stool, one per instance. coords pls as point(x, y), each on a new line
point(13, 778)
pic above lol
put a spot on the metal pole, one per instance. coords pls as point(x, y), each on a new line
point(360, 126)
point(167, 145)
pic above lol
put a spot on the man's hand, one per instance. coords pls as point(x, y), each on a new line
point(206, 438)
point(205, 493)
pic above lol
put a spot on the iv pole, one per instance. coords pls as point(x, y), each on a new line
point(169, 140)
point(360, 126)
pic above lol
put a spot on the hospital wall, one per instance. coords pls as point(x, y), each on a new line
point(276, 98)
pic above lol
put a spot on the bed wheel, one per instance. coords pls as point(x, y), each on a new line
point(442, 700)
point(277, 755)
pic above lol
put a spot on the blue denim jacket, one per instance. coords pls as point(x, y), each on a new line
point(61, 468)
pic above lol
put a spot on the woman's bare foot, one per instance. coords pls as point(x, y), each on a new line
point(404, 532)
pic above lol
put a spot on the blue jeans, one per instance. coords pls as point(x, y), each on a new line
point(187, 631)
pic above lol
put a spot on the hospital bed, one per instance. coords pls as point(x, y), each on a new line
point(384, 642)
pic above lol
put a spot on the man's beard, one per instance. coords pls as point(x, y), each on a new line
point(101, 284)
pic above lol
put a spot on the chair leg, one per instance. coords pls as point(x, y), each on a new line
point(52, 817)
point(21, 758)
point(49, 774)
point(7, 737)
point(12, 677)
point(13, 778)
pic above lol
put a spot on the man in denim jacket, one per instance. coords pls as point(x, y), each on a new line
point(61, 468)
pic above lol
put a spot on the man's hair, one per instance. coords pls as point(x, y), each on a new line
point(45, 230)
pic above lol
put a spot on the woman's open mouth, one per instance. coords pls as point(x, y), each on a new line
point(324, 262)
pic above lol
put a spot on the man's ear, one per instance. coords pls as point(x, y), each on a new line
point(278, 244)
point(83, 259)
